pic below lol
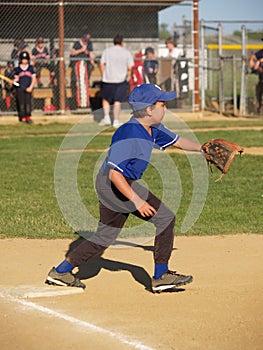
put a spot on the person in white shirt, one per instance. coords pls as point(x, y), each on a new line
point(175, 53)
point(173, 50)
point(116, 62)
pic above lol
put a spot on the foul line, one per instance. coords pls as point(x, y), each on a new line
point(75, 321)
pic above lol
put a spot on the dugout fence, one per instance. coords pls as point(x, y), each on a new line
point(225, 83)
point(63, 23)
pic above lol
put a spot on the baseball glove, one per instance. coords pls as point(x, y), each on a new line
point(220, 153)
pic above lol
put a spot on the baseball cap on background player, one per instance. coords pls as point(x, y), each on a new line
point(145, 95)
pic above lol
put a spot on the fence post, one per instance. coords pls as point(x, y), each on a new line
point(234, 65)
point(221, 71)
point(202, 66)
point(243, 74)
point(61, 57)
point(196, 56)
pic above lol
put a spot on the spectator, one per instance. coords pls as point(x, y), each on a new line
point(19, 46)
point(151, 66)
point(9, 88)
point(173, 50)
point(40, 59)
point(81, 60)
point(116, 62)
point(175, 53)
point(256, 64)
point(26, 77)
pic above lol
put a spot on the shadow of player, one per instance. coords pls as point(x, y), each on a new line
point(92, 268)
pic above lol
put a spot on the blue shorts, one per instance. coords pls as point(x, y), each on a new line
point(112, 92)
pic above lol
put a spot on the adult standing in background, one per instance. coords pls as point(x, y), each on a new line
point(116, 62)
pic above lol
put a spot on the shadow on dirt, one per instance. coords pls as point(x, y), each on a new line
point(93, 267)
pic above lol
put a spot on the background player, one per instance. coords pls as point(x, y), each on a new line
point(26, 77)
point(40, 59)
point(151, 66)
point(82, 64)
point(9, 88)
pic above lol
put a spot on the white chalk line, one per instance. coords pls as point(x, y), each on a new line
point(123, 339)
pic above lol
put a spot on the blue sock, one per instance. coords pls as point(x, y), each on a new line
point(64, 267)
point(159, 270)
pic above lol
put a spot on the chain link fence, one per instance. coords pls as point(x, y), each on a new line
point(226, 83)
point(25, 24)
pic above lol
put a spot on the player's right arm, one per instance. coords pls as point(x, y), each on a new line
point(119, 181)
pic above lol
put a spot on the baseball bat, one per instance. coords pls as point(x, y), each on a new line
point(10, 81)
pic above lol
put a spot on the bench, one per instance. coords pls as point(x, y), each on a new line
point(46, 92)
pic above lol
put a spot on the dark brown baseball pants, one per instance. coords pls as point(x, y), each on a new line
point(114, 211)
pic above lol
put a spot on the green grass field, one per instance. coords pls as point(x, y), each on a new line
point(29, 207)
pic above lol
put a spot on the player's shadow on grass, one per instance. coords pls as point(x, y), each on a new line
point(94, 266)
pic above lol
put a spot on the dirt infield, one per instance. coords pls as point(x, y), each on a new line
point(221, 309)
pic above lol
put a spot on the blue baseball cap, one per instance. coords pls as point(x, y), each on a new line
point(145, 95)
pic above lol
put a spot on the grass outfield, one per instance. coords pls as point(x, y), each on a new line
point(29, 207)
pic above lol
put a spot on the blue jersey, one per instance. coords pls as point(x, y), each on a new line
point(132, 146)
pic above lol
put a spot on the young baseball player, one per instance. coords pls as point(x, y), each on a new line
point(151, 66)
point(40, 59)
point(9, 88)
point(82, 65)
point(26, 77)
point(120, 194)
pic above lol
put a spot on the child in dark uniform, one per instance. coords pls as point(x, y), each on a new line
point(120, 194)
point(26, 77)
point(40, 59)
point(9, 88)
point(151, 66)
